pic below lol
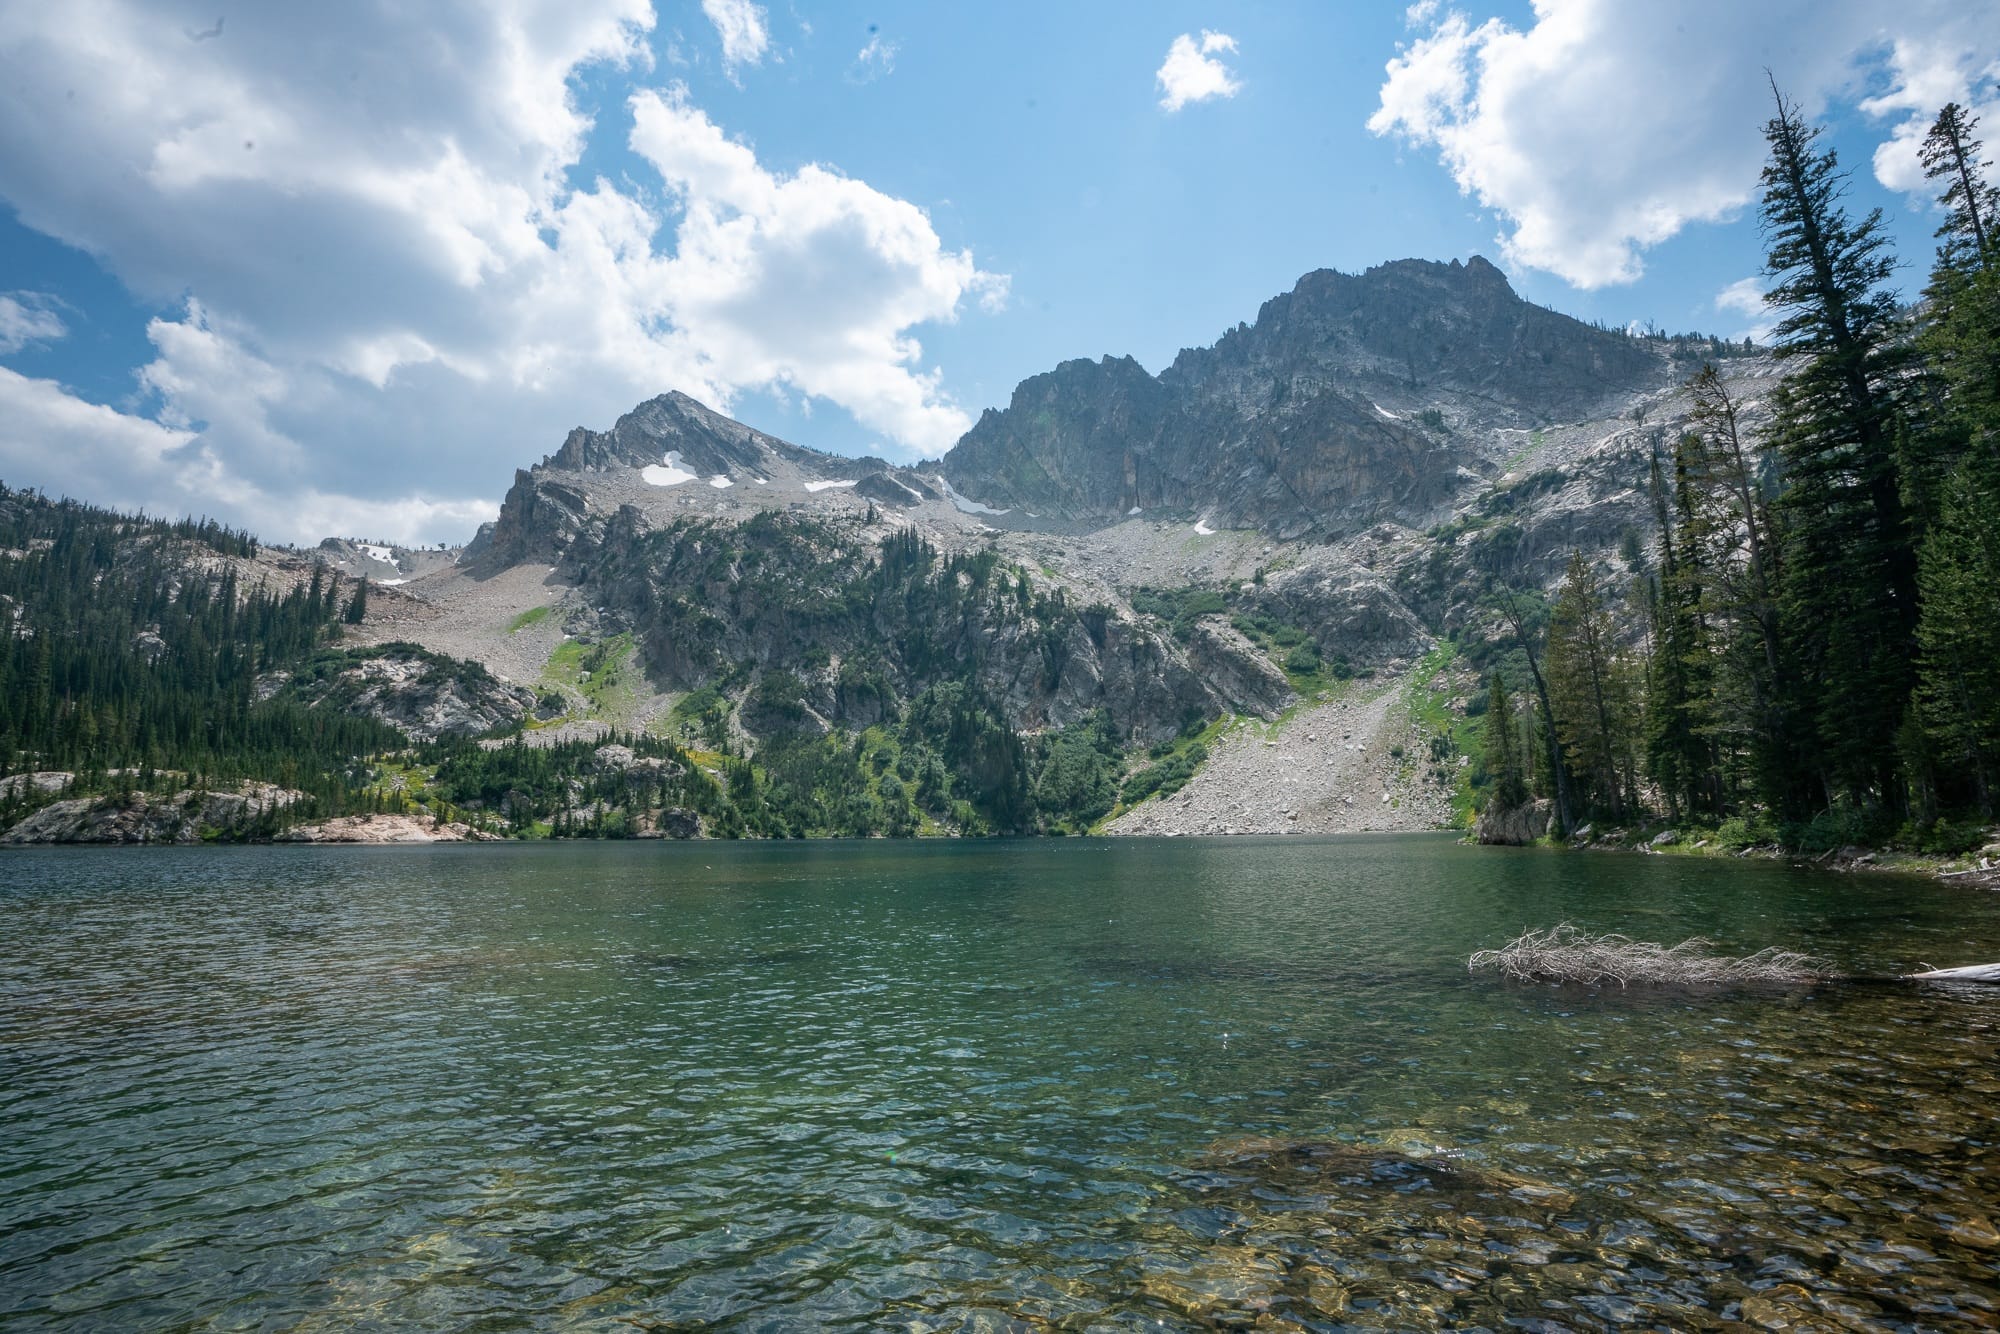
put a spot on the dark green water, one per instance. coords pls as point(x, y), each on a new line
point(1002, 1085)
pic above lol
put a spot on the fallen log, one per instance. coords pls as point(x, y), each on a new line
point(1978, 972)
point(1567, 953)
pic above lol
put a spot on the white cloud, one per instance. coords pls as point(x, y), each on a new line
point(1192, 73)
point(25, 318)
point(1956, 59)
point(810, 281)
point(873, 61)
point(399, 295)
point(1745, 297)
point(740, 24)
point(71, 447)
point(1604, 128)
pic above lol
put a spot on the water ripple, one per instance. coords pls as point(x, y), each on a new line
point(1005, 1086)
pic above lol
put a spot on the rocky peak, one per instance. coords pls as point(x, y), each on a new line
point(1429, 328)
point(1329, 414)
point(705, 440)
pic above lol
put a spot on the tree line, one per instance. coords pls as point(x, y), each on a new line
point(1818, 646)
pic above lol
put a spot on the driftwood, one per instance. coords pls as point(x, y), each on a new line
point(1978, 972)
point(1566, 953)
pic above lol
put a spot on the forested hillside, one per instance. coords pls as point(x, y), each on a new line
point(1809, 650)
point(139, 662)
point(134, 647)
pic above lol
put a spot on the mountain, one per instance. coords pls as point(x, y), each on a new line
point(1206, 601)
point(656, 459)
point(1350, 401)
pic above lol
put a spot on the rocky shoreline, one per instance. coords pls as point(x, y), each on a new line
point(1528, 825)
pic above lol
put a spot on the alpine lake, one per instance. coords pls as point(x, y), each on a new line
point(1059, 1084)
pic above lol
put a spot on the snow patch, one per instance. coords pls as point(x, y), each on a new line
point(1201, 526)
point(671, 475)
point(379, 553)
point(719, 481)
point(763, 481)
point(964, 506)
point(391, 583)
point(825, 486)
point(1136, 509)
point(1384, 411)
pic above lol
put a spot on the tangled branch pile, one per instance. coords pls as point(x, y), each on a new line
point(1567, 953)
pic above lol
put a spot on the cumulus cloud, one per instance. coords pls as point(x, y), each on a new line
point(27, 318)
point(86, 450)
point(399, 293)
point(1604, 128)
point(1957, 59)
point(740, 24)
point(809, 280)
point(1745, 297)
point(1192, 71)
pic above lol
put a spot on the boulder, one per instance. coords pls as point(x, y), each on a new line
point(1513, 826)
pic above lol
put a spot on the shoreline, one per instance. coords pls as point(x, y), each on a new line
point(1979, 869)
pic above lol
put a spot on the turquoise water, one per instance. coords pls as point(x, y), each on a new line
point(1058, 1084)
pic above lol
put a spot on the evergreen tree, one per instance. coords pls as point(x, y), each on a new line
point(1959, 693)
point(1961, 336)
point(1680, 752)
point(1849, 594)
point(1503, 748)
point(357, 606)
point(1517, 610)
point(1971, 205)
point(1590, 691)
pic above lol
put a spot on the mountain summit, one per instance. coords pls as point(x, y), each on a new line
point(1351, 400)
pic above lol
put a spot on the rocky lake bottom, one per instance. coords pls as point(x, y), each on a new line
point(1059, 1084)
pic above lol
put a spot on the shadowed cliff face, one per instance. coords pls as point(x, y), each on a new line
point(1284, 425)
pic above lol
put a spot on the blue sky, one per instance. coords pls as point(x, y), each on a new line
point(343, 271)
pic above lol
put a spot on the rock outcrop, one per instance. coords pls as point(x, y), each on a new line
point(424, 695)
point(42, 782)
point(1513, 826)
point(139, 817)
point(381, 829)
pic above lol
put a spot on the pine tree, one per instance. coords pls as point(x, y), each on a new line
point(1679, 694)
point(1849, 595)
point(357, 606)
point(1590, 691)
point(1961, 337)
point(1502, 746)
point(1950, 154)
point(1515, 610)
point(1959, 694)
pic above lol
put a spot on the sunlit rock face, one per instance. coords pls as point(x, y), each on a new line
point(1350, 401)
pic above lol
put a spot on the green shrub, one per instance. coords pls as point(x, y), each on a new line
point(1303, 660)
point(1943, 838)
